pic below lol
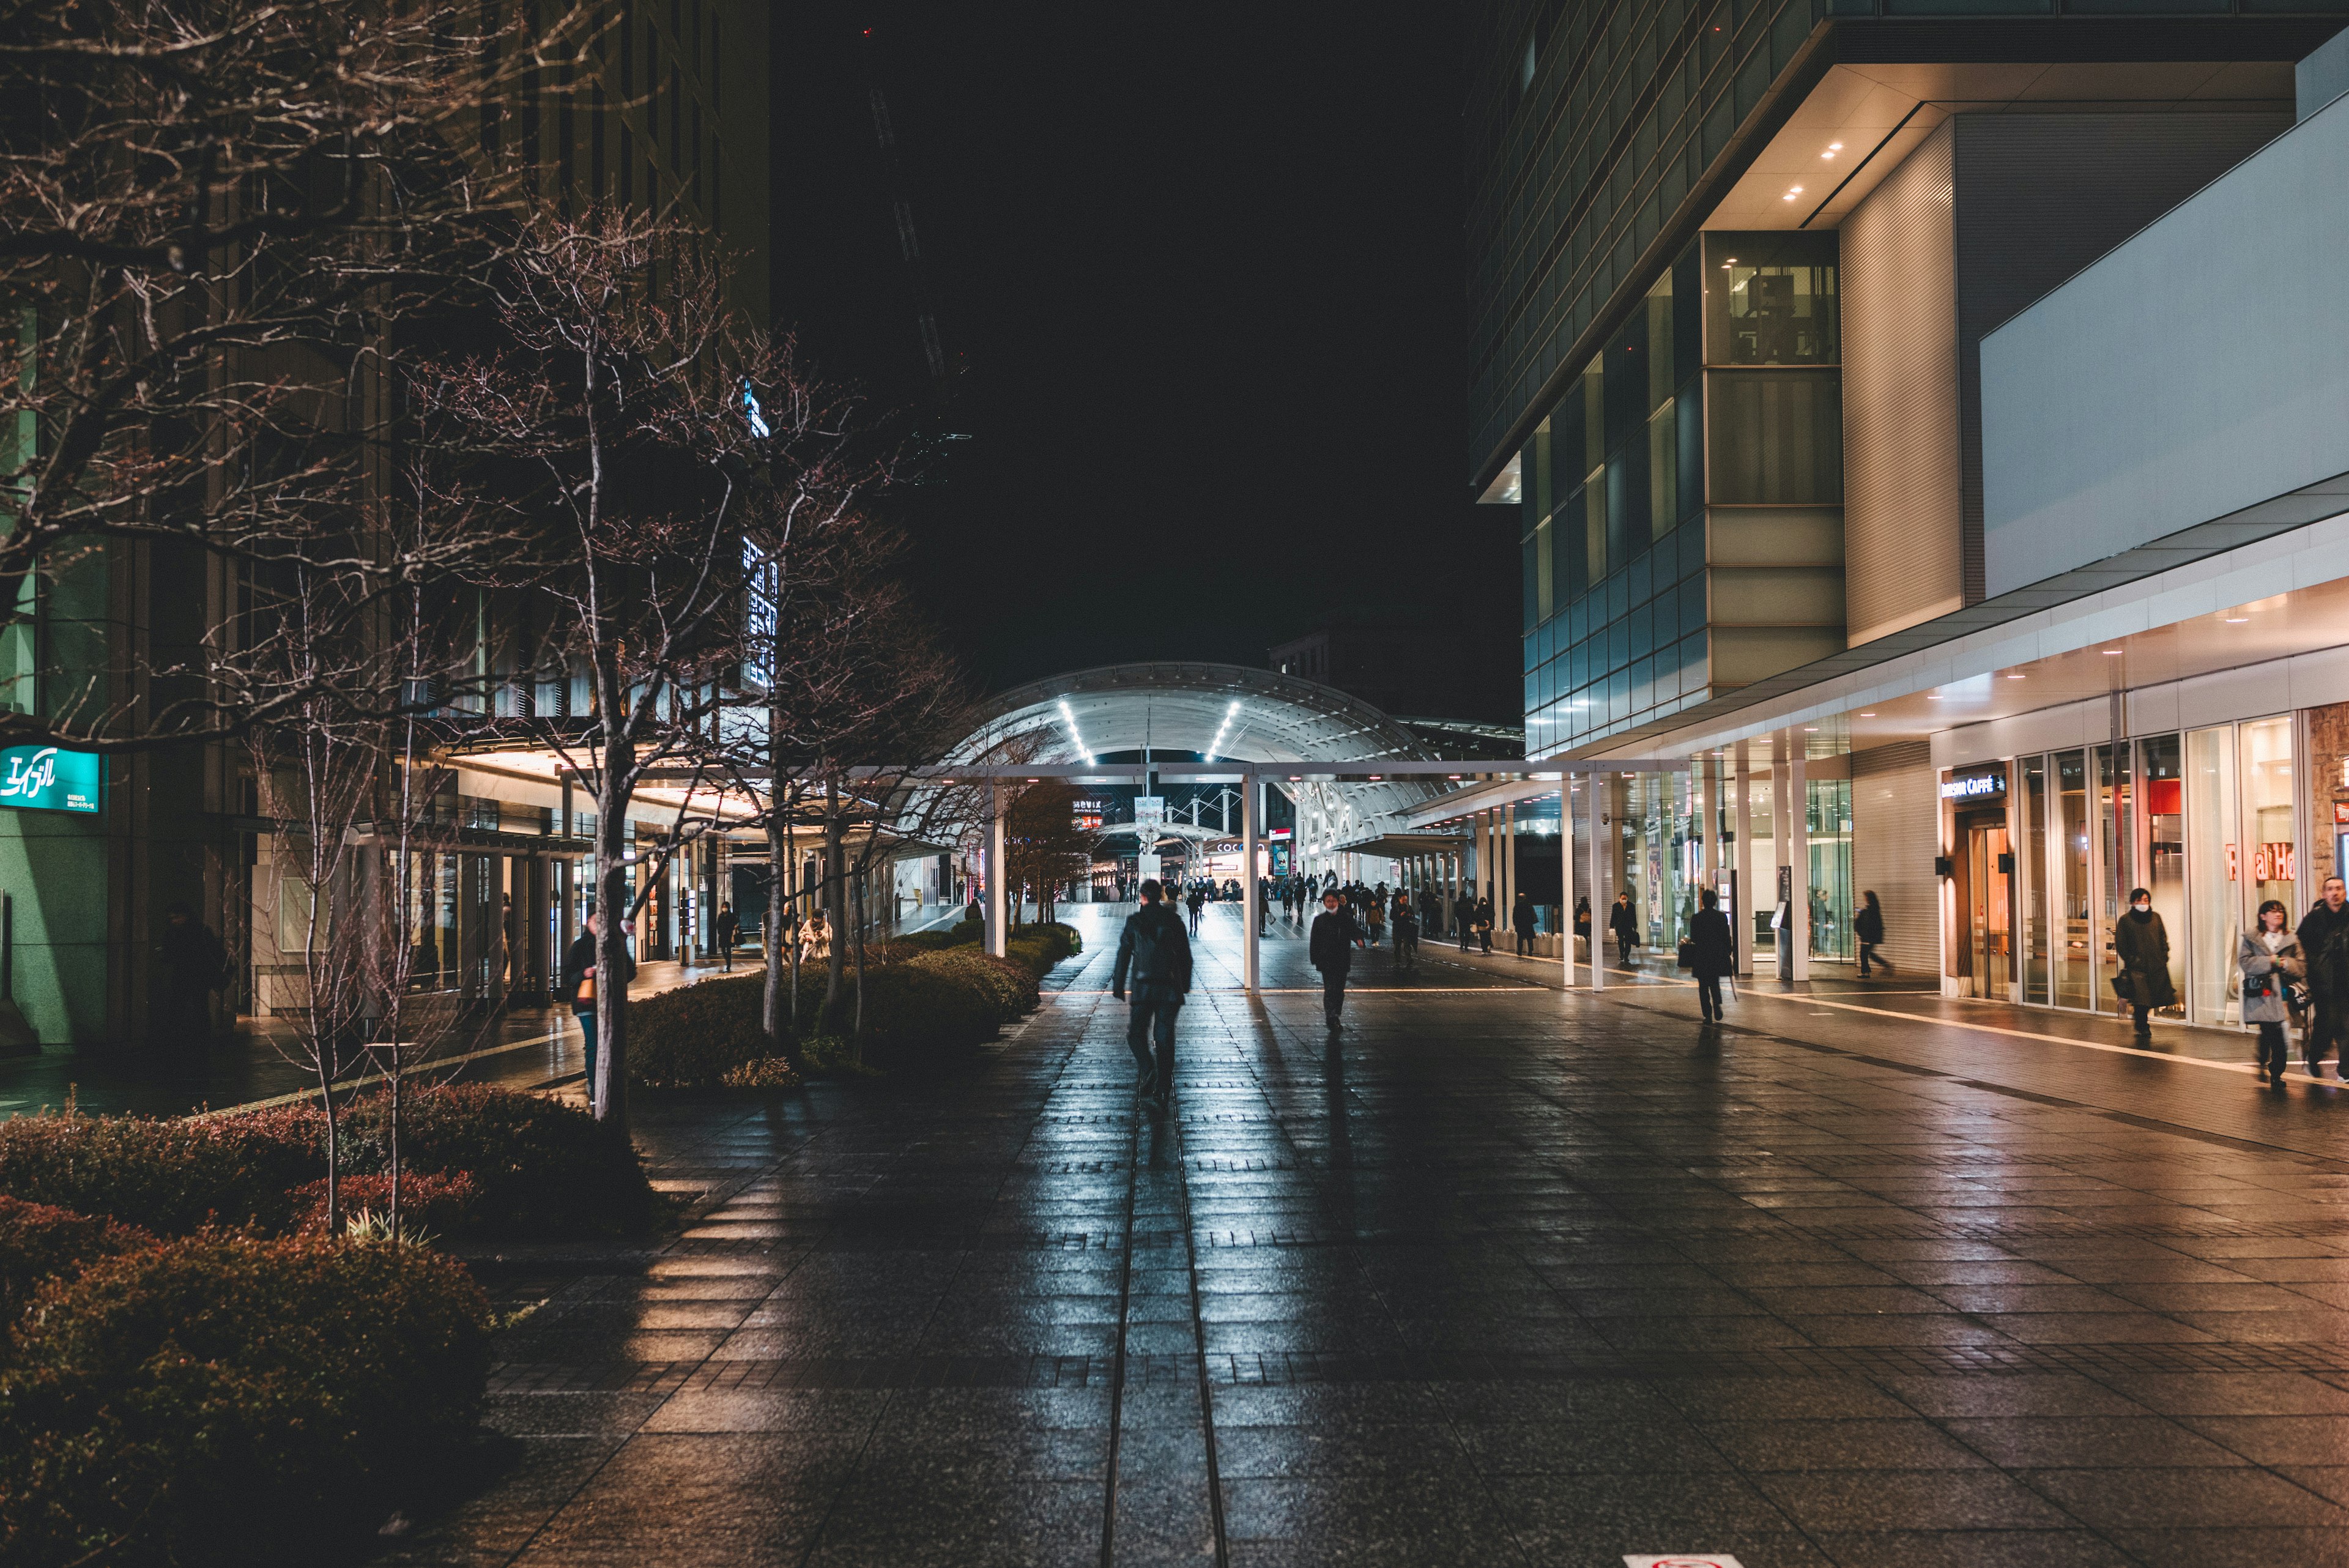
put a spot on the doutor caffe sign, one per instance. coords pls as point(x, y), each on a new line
point(45, 778)
point(1975, 786)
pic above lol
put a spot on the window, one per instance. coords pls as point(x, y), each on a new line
point(1772, 299)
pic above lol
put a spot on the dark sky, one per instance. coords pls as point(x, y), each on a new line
point(1200, 274)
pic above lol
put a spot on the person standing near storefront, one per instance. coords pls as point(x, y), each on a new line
point(2141, 945)
point(1868, 927)
point(1521, 922)
point(2325, 946)
point(2270, 960)
point(728, 930)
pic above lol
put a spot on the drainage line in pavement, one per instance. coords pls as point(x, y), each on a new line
point(1117, 1365)
point(1199, 1339)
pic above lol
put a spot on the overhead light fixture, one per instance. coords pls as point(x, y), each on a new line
point(2014, 678)
point(1792, 193)
point(2111, 653)
point(1810, 729)
point(2237, 619)
point(1867, 715)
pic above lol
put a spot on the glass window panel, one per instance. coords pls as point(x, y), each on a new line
point(2036, 974)
point(1545, 597)
point(2214, 908)
point(1640, 582)
point(1659, 342)
point(1627, 504)
point(2069, 883)
point(2161, 856)
point(1594, 525)
point(1777, 438)
point(1664, 471)
point(1693, 595)
point(2271, 854)
point(1528, 583)
point(1689, 485)
point(1772, 299)
point(2115, 837)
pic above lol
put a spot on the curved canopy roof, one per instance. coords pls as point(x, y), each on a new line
point(1217, 711)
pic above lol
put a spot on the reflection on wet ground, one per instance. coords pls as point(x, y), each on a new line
point(1503, 1274)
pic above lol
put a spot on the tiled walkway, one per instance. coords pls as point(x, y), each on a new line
point(1511, 1275)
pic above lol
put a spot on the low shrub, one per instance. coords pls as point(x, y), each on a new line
point(536, 1165)
point(39, 1241)
point(763, 1072)
point(228, 1399)
point(692, 1037)
point(430, 1202)
point(1037, 948)
point(1009, 985)
point(171, 1175)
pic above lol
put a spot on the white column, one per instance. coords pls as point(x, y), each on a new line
point(1596, 789)
point(998, 913)
point(1566, 879)
point(1742, 810)
point(1507, 901)
point(1708, 806)
point(1251, 894)
point(1798, 853)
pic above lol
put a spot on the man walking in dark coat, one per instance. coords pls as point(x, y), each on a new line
point(2324, 943)
point(1154, 953)
point(1711, 953)
point(1331, 950)
point(193, 965)
point(1521, 921)
point(728, 928)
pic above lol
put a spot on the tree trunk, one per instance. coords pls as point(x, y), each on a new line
point(835, 914)
point(858, 1030)
point(610, 1087)
point(783, 1030)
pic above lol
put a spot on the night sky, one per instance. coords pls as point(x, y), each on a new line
point(1200, 277)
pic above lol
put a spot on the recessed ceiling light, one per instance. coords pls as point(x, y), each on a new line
point(2014, 678)
point(2111, 653)
point(1810, 729)
point(1835, 146)
point(2237, 619)
point(1867, 715)
point(1932, 697)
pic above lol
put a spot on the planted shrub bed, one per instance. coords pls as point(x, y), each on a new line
point(928, 998)
point(226, 1399)
point(529, 1164)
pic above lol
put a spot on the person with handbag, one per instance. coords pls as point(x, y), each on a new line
point(2270, 961)
point(580, 982)
point(2141, 948)
point(1868, 927)
point(1483, 924)
point(1711, 953)
point(1626, 926)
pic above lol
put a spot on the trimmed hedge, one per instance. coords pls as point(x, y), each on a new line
point(533, 1164)
point(39, 1241)
point(690, 1038)
point(228, 1399)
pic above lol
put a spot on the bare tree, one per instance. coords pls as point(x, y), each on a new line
point(608, 431)
point(1043, 845)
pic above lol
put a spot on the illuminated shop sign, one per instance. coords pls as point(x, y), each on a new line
point(1974, 786)
point(43, 778)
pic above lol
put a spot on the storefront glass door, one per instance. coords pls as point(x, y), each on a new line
point(2037, 974)
point(2161, 850)
point(1989, 919)
point(2067, 882)
point(2271, 855)
point(2214, 908)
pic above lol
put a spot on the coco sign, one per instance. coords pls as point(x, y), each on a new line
point(44, 778)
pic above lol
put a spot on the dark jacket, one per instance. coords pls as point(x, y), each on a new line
point(1623, 922)
point(1154, 950)
point(729, 927)
point(1868, 924)
point(1332, 944)
point(579, 958)
point(1521, 914)
point(2325, 943)
point(2143, 949)
point(1711, 953)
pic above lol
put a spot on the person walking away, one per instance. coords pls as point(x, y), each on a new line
point(1154, 955)
point(192, 965)
point(580, 982)
point(1195, 903)
point(2270, 960)
point(1406, 935)
point(1483, 923)
point(1711, 952)
point(1375, 919)
point(1868, 927)
point(1626, 926)
point(1330, 949)
point(2324, 948)
point(1521, 921)
point(728, 928)
point(2141, 945)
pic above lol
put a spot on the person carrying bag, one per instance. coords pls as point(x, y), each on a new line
point(2271, 964)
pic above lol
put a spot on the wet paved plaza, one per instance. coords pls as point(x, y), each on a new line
point(1509, 1275)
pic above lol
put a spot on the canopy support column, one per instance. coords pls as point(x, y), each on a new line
point(998, 878)
point(1599, 896)
point(1251, 889)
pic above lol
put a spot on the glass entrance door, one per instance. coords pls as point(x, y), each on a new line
point(1989, 919)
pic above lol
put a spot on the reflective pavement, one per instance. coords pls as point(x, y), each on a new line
point(1510, 1275)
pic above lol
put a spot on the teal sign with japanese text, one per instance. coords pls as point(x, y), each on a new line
point(44, 778)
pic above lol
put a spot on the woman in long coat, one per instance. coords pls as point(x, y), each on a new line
point(2270, 960)
point(2141, 945)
